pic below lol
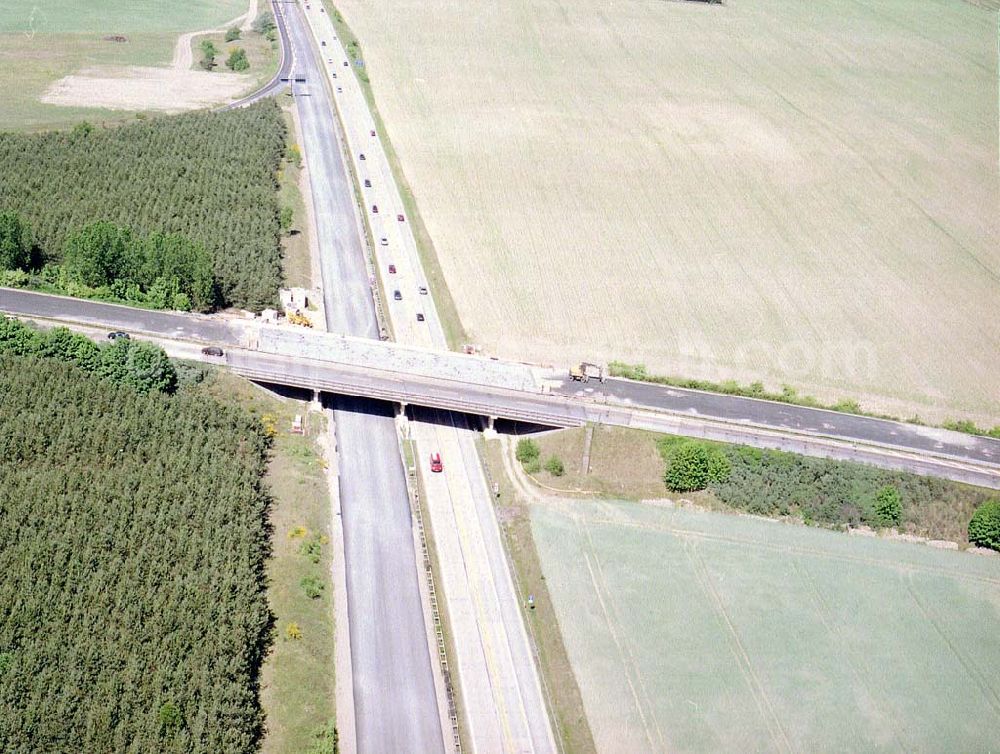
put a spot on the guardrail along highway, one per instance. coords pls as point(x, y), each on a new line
point(503, 389)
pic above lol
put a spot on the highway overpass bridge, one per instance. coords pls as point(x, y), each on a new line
point(494, 388)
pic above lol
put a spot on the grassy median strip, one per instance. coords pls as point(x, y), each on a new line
point(297, 681)
point(296, 258)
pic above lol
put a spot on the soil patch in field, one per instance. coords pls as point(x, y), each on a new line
point(170, 89)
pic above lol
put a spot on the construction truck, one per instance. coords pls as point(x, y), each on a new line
point(298, 318)
point(585, 372)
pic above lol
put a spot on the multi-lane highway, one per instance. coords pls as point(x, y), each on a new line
point(395, 701)
point(395, 704)
point(501, 700)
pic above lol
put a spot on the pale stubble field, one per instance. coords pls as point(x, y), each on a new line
point(801, 193)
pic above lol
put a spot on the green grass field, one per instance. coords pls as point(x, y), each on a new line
point(692, 631)
point(111, 17)
point(39, 45)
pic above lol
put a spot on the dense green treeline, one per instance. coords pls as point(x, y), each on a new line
point(202, 179)
point(133, 537)
point(141, 366)
point(819, 490)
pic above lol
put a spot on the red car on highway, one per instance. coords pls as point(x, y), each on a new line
point(436, 466)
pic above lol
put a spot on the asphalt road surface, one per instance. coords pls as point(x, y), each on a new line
point(394, 696)
point(276, 84)
point(501, 698)
point(395, 376)
point(785, 416)
point(738, 413)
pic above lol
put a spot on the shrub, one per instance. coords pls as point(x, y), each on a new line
point(527, 450)
point(208, 53)
point(718, 466)
point(233, 33)
point(555, 466)
point(984, 528)
point(237, 60)
point(313, 549)
point(169, 717)
point(688, 468)
point(533, 466)
point(264, 22)
point(14, 278)
point(292, 631)
point(692, 462)
point(325, 740)
point(888, 506)
point(312, 586)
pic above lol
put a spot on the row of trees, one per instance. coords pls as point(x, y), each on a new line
point(208, 177)
point(141, 366)
point(133, 538)
point(164, 269)
point(104, 260)
point(825, 492)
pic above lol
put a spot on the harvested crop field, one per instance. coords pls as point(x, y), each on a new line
point(801, 193)
point(691, 631)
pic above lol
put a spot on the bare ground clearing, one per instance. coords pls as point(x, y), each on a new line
point(170, 89)
point(802, 193)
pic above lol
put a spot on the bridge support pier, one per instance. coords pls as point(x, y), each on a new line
point(317, 401)
point(489, 431)
point(403, 421)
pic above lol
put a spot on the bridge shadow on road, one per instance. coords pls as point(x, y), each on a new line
point(374, 407)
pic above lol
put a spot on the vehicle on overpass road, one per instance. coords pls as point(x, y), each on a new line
point(500, 689)
point(395, 700)
point(441, 379)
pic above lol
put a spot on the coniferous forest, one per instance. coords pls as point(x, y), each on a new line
point(207, 177)
point(133, 537)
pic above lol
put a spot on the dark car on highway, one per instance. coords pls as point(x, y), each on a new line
point(420, 316)
point(118, 334)
point(212, 351)
point(397, 295)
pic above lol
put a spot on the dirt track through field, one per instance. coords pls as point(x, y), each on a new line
point(801, 193)
point(172, 89)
